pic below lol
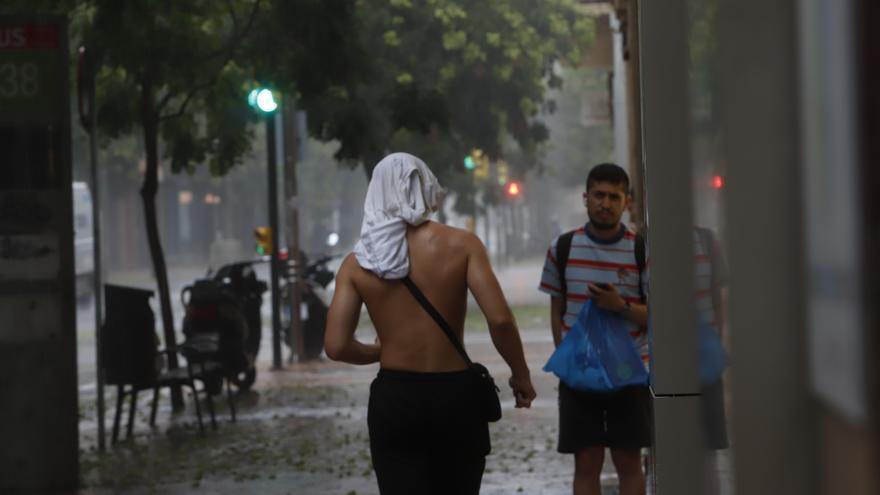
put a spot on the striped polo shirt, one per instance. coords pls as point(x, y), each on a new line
point(594, 260)
point(710, 276)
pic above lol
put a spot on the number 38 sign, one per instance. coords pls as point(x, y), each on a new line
point(31, 86)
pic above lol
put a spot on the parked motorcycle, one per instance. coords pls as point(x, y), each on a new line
point(227, 303)
point(316, 277)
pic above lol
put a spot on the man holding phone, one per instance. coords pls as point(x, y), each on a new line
point(603, 262)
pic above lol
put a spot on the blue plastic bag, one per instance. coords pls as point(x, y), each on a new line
point(597, 354)
point(710, 352)
point(713, 359)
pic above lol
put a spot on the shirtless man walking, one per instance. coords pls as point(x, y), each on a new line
point(427, 435)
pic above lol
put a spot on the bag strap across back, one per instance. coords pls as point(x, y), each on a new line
point(431, 310)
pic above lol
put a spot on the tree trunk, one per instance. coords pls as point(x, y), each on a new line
point(150, 123)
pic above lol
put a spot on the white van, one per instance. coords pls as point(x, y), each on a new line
point(83, 240)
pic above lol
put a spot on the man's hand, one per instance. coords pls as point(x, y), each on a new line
point(607, 297)
point(523, 391)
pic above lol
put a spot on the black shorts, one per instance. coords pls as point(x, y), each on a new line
point(618, 420)
point(713, 416)
point(426, 434)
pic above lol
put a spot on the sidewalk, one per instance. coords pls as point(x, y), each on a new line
point(303, 431)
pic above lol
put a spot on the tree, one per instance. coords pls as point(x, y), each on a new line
point(178, 73)
point(368, 73)
point(447, 77)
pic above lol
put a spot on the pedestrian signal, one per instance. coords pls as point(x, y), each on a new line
point(263, 236)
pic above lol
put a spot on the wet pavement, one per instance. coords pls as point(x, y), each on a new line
point(302, 430)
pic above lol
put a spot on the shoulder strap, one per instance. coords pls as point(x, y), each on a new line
point(563, 248)
point(431, 310)
point(640, 261)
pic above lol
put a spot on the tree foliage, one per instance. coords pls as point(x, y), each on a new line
point(177, 72)
point(200, 58)
point(443, 76)
point(460, 74)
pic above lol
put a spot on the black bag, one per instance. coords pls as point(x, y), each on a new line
point(490, 404)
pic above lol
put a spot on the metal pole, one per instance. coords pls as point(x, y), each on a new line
point(86, 81)
point(632, 56)
point(292, 143)
point(97, 277)
point(273, 225)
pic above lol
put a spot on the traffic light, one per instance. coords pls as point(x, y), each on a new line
point(263, 236)
point(478, 163)
point(262, 99)
point(513, 189)
point(502, 171)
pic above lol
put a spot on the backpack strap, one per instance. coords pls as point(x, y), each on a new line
point(640, 262)
point(563, 248)
point(707, 239)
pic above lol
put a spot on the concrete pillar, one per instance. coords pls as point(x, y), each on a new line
point(676, 454)
point(773, 414)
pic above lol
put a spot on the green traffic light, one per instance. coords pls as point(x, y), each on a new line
point(263, 100)
point(266, 101)
point(469, 163)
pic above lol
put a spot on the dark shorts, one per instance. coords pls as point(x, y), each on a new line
point(713, 416)
point(426, 436)
point(618, 420)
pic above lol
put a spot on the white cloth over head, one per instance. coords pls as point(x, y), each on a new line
point(403, 191)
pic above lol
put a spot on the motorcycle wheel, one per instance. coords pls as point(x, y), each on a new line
point(246, 379)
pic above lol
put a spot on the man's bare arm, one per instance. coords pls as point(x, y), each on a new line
point(502, 327)
point(342, 319)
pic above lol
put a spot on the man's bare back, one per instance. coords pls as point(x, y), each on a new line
point(410, 339)
point(445, 263)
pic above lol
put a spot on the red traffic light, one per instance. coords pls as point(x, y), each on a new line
point(513, 189)
point(717, 182)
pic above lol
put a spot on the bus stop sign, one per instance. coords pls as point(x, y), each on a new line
point(39, 393)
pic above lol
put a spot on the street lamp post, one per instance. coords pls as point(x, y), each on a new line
point(263, 100)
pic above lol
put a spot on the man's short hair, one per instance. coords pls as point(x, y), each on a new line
point(608, 172)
